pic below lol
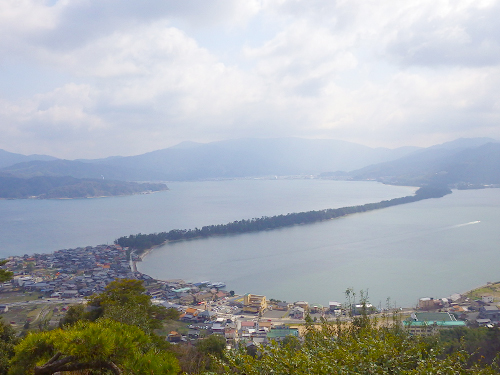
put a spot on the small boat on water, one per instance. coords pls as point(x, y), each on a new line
point(210, 284)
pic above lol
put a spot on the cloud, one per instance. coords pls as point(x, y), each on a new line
point(461, 34)
point(146, 77)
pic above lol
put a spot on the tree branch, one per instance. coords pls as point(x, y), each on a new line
point(54, 358)
point(92, 366)
point(54, 365)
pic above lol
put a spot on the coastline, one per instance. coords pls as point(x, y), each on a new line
point(468, 288)
point(90, 197)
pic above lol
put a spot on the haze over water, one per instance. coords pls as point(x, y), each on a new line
point(433, 247)
point(29, 226)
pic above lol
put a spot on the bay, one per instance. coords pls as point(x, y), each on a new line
point(43, 226)
point(434, 247)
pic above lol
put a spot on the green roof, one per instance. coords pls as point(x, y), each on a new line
point(434, 317)
point(282, 332)
point(456, 323)
point(181, 290)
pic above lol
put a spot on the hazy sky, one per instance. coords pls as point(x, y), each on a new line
point(93, 78)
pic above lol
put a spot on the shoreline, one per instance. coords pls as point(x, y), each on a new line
point(92, 197)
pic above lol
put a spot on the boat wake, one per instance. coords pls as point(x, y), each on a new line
point(465, 224)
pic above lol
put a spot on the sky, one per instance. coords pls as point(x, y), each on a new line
point(95, 78)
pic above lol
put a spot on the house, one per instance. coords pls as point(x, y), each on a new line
point(333, 306)
point(230, 331)
point(205, 315)
point(246, 325)
point(218, 328)
point(297, 313)
point(303, 304)
point(265, 324)
point(282, 306)
point(69, 294)
point(190, 315)
point(483, 322)
point(203, 296)
point(487, 299)
point(316, 308)
point(247, 328)
point(489, 312)
point(193, 334)
point(174, 337)
point(428, 303)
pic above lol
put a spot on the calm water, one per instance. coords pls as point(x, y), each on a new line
point(29, 226)
point(434, 248)
point(430, 248)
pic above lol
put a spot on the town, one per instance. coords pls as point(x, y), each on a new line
point(45, 285)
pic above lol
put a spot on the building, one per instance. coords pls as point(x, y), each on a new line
point(334, 305)
point(253, 303)
point(303, 304)
point(489, 312)
point(279, 334)
point(297, 313)
point(487, 299)
point(428, 324)
point(427, 303)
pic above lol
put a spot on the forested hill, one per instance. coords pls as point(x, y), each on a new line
point(69, 187)
point(477, 165)
point(141, 242)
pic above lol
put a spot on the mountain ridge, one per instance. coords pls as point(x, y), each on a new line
point(223, 159)
point(448, 162)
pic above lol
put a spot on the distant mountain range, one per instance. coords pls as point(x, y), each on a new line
point(10, 158)
point(473, 161)
point(467, 160)
point(225, 159)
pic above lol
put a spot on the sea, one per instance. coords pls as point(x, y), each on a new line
point(396, 255)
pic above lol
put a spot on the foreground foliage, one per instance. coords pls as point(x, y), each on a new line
point(8, 340)
point(360, 348)
point(482, 343)
point(124, 301)
point(104, 345)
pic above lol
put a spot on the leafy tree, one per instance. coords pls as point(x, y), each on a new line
point(30, 267)
point(105, 345)
point(73, 315)
point(7, 342)
point(483, 344)
point(123, 301)
point(213, 345)
point(199, 358)
point(4, 274)
point(336, 348)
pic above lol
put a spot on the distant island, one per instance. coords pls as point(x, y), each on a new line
point(66, 187)
point(141, 242)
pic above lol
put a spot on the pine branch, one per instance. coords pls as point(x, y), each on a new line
point(55, 365)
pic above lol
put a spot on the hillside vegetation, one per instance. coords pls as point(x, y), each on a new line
point(69, 187)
